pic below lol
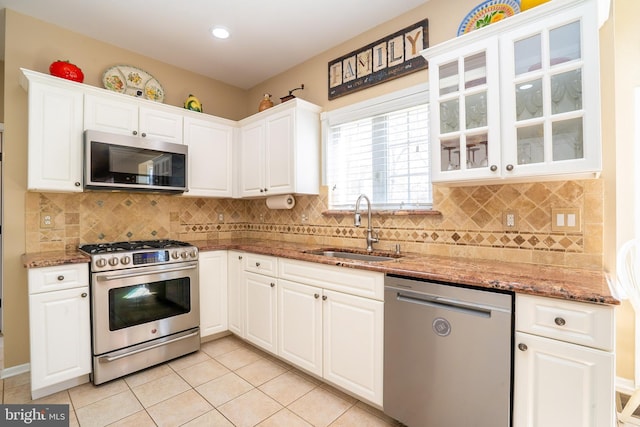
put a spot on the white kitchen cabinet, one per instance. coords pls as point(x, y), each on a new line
point(260, 309)
point(563, 364)
point(115, 113)
point(324, 311)
point(300, 325)
point(59, 328)
point(212, 276)
point(518, 99)
point(353, 331)
point(210, 143)
point(279, 151)
point(235, 292)
point(55, 134)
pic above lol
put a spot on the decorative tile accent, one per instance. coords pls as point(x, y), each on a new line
point(470, 218)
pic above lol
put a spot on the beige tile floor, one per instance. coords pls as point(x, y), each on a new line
point(226, 383)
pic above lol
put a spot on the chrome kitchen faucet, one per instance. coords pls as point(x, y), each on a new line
point(372, 237)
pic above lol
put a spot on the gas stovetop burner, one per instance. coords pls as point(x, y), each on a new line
point(138, 253)
point(101, 248)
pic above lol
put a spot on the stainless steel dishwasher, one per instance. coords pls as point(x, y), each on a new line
point(447, 354)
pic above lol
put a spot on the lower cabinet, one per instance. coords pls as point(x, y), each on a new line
point(212, 274)
point(564, 364)
point(59, 325)
point(260, 311)
point(235, 292)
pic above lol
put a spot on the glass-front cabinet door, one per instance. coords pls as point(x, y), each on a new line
point(465, 118)
point(550, 88)
point(518, 99)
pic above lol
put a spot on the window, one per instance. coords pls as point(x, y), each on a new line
point(381, 149)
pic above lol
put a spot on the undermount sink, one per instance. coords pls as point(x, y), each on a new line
point(354, 255)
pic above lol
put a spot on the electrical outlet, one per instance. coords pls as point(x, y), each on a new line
point(304, 218)
point(220, 217)
point(46, 220)
point(567, 219)
point(510, 219)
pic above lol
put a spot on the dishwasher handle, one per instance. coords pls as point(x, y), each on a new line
point(446, 304)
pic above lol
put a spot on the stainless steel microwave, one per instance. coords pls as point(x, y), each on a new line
point(122, 162)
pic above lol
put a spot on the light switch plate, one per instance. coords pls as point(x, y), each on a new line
point(566, 219)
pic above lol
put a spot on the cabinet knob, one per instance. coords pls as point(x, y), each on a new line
point(324, 297)
point(493, 168)
point(522, 347)
point(559, 321)
point(143, 134)
point(61, 278)
point(509, 167)
point(77, 184)
point(239, 256)
point(262, 190)
point(135, 132)
point(83, 295)
point(266, 189)
point(272, 284)
point(316, 296)
point(257, 264)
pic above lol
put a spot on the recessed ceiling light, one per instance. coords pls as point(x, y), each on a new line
point(220, 32)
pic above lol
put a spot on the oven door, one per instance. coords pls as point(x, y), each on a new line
point(141, 304)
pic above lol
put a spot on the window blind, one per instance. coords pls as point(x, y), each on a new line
point(385, 156)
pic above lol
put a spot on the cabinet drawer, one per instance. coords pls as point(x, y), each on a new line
point(363, 283)
point(47, 279)
point(575, 322)
point(261, 264)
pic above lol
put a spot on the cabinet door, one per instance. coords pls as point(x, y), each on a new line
point(60, 336)
point(550, 81)
point(235, 292)
point(558, 384)
point(300, 325)
point(210, 157)
point(260, 311)
point(55, 138)
point(353, 344)
point(465, 117)
point(109, 113)
point(212, 272)
point(279, 166)
point(161, 125)
point(252, 160)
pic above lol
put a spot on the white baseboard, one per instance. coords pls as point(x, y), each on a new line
point(15, 370)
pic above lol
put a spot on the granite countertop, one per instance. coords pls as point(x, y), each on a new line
point(556, 282)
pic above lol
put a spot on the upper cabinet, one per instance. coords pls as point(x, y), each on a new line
point(109, 112)
point(518, 99)
point(55, 135)
point(279, 151)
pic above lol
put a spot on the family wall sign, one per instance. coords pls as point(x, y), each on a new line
point(388, 58)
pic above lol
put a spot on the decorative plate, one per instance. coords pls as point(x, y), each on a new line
point(488, 12)
point(133, 81)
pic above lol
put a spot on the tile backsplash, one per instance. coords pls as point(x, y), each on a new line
point(469, 223)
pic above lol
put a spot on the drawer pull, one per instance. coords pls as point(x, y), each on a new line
point(60, 278)
point(559, 321)
point(83, 295)
point(257, 264)
point(522, 347)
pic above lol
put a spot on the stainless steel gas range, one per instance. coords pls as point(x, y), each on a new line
point(145, 305)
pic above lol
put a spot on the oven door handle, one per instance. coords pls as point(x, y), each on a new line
point(104, 359)
point(146, 273)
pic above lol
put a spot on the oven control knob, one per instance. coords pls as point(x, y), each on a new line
point(175, 255)
point(193, 253)
point(113, 261)
point(125, 260)
point(101, 262)
point(184, 255)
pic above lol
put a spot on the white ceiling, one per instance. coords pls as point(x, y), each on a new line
point(267, 37)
